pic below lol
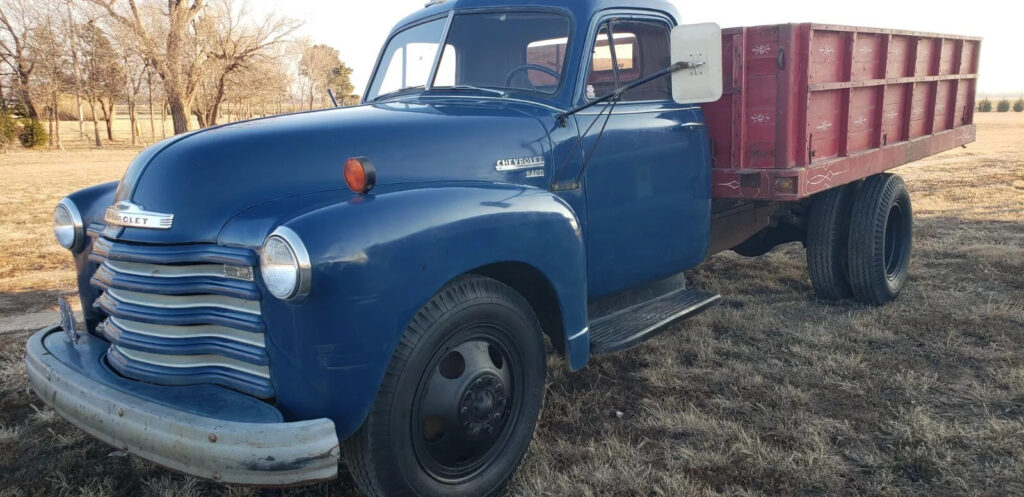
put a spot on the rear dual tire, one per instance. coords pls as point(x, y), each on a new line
point(860, 239)
point(828, 234)
point(881, 239)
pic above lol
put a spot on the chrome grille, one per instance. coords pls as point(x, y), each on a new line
point(182, 315)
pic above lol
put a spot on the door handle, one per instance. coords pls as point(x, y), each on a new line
point(692, 125)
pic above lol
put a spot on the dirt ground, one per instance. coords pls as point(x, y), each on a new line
point(773, 393)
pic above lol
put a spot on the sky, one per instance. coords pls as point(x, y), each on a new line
point(358, 28)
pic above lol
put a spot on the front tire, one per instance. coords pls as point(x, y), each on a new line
point(881, 239)
point(462, 394)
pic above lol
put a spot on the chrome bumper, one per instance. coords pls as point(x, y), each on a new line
point(262, 454)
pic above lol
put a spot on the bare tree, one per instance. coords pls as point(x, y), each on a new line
point(76, 72)
point(234, 45)
point(176, 56)
point(51, 77)
point(103, 76)
point(322, 66)
point(16, 26)
point(135, 70)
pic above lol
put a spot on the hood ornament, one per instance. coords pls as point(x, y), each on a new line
point(129, 215)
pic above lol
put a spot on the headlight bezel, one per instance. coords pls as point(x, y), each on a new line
point(303, 266)
point(77, 225)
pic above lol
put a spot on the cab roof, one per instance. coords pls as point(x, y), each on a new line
point(582, 10)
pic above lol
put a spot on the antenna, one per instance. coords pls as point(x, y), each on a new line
point(331, 94)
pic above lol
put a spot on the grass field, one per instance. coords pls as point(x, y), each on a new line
point(773, 393)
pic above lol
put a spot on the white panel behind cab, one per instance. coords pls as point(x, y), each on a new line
point(700, 45)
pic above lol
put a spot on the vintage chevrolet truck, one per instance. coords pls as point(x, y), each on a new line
point(374, 284)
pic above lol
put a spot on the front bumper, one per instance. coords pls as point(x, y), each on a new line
point(75, 383)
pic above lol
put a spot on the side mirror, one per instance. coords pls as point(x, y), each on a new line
point(700, 47)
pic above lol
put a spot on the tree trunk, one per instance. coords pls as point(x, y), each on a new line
point(152, 124)
point(95, 123)
point(163, 119)
point(108, 117)
point(26, 97)
point(132, 121)
point(77, 73)
point(200, 118)
point(56, 124)
point(175, 84)
point(218, 98)
point(179, 113)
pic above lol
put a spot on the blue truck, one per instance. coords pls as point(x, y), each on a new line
point(376, 285)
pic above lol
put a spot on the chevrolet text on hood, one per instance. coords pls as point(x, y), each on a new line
point(376, 284)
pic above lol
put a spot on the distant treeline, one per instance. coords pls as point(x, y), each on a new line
point(190, 62)
point(1003, 105)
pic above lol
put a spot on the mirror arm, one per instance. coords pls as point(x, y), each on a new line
point(563, 118)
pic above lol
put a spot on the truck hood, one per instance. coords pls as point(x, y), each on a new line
point(207, 177)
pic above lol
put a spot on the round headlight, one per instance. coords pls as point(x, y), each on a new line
point(67, 225)
point(284, 265)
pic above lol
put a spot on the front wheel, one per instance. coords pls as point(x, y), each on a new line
point(458, 405)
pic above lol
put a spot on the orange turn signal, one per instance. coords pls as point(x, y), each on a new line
point(360, 175)
point(785, 185)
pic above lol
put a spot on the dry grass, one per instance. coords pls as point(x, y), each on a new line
point(773, 393)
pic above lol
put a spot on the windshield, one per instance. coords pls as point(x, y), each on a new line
point(510, 51)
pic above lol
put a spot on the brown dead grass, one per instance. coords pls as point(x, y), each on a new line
point(773, 393)
point(33, 268)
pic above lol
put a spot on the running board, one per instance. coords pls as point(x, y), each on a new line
point(627, 328)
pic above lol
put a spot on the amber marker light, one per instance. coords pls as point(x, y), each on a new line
point(360, 175)
point(785, 185)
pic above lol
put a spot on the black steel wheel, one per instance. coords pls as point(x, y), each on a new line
point(881, 239)
point(467, 400)
point(457, 408)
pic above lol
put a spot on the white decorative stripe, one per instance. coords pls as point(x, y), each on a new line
point(582, 332)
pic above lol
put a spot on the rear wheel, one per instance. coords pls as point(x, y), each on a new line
point(828, 232)
point(457, 408)
point(881, 239)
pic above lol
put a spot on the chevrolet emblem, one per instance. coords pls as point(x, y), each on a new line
point(129, 215)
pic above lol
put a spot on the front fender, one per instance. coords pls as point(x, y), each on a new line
point(378, 259)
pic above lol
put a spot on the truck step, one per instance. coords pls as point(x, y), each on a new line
point(627, 328)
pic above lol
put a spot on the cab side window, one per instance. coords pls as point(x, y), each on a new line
point(626, 51)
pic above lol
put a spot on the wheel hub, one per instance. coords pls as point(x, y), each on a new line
point(482, 410)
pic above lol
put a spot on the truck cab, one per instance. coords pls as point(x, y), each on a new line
point(375, 284)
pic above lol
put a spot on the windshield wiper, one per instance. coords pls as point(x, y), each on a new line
point(473, 88)
point(403, 91)
point(617, 94)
